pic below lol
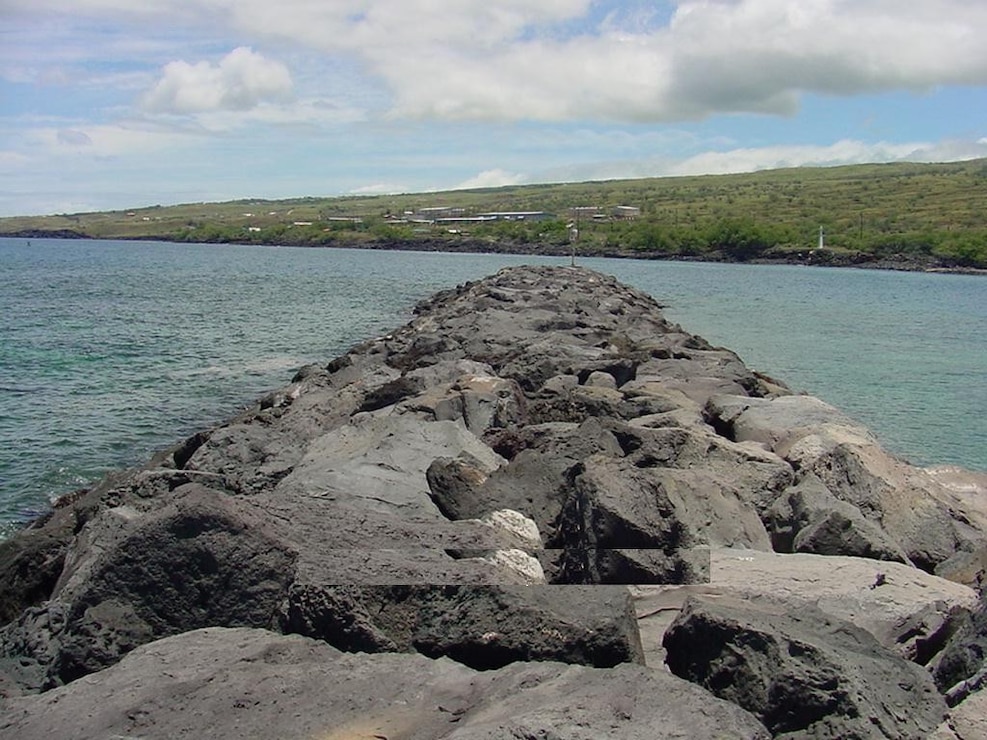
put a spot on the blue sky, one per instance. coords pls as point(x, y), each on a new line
point(112, 104)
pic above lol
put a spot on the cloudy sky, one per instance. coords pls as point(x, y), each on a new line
point(123, 103)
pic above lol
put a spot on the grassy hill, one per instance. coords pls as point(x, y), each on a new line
point(923, 214)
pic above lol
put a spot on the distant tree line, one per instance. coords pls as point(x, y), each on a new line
point(732, 239)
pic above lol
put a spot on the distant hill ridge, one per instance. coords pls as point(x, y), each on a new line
point(910, 215)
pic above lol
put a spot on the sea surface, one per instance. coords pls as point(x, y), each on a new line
point(112, 350)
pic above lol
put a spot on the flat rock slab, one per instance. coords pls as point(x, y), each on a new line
point(843, 587)
point(244, 683)
point(381, 462)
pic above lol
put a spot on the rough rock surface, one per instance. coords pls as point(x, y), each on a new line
point(818, 440)
point(962, 667)
point(242, 683)
point(968, 721)
point(482, 484)
point(483, 627)
point(909, 611)
point(802, 673)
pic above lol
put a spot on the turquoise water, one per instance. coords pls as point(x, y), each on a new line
point(112, 350)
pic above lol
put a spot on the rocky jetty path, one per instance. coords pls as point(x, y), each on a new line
point(538, 511)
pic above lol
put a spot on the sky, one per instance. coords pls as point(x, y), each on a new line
point(118, 104)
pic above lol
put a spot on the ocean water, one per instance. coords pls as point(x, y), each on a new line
point(110, 350)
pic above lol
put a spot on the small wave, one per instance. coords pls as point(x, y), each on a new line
point(273, 364)
point(257, 367)
point(21, 390)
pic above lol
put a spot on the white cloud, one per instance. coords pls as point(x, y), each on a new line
point(491, 179)
point(732, 56)
point(576, 59)
point(242, 80)
point(314, 114)
point(839, 153)
point(496, 60)
point(329, 95)
point(380, 188)
point(73, 137)
point(753, 159)
point(105, 140)
point(11, 159)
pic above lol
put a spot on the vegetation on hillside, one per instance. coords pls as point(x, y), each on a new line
point(926, 214)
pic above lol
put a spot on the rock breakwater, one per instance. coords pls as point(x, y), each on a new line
point(537, 510)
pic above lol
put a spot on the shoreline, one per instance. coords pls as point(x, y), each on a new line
point(808, 258)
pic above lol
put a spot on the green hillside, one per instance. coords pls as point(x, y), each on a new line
point(926, 214)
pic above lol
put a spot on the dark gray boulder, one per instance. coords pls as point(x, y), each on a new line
point(906, 503)
point(248, 683)
point(481, 626)
point(453, 486)
point(30, 565)
point(534, 480)
point(29, 647)
point(613, 504)
point(459, 488)
point(491, 627)
point(201, 560)
point(808, 518)
point(756, 475)
point(962, 668)
point(802, 673)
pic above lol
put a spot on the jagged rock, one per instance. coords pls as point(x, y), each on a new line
point(966, 655)
point(778, 423)
point(964, 494)
point(809, 519)
point(821, 441)
point(612, 503)
point(541, 426)
point(628, 566)
point(29, 568)
point(492, 627)
point(802, 673)
point(921, 636)
point(199, 561)
point(460, 390)
point(28, 649)
point(382, 462)
point(533, 480)
point(391, 392)
point(453, 485)
point(757, 475)
point(481, 626)
point(700, 373)
point(242, 683)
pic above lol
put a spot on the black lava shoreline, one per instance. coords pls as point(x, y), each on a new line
point(815, 258)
